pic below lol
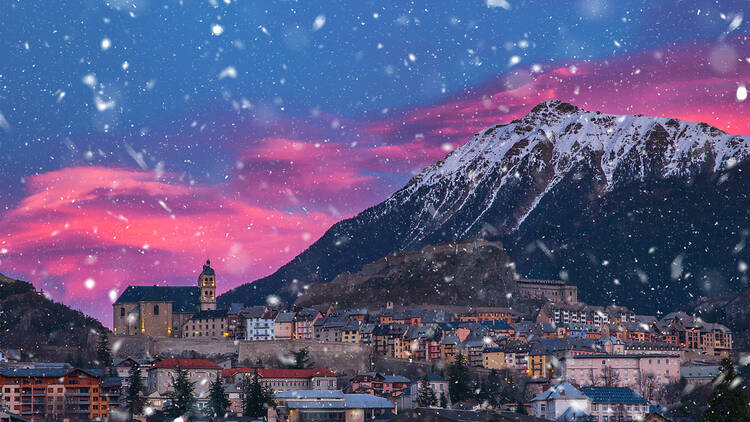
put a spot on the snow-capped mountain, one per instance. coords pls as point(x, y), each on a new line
point(571, 193)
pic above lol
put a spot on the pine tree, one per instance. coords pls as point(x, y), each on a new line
point(103, 354)
point(521, 409)
point(728, 402)
point(135, 399)
point(257, 399)
point(458, 379)
point(443, 400)
point(302, 359)
point(181, 400)
point(218, 401)
point(426, 395)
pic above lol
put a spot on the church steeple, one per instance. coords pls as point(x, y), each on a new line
point(207, 284)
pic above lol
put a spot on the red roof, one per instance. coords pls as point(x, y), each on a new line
point(281, 373)
point(231, 371)
point(186, 364)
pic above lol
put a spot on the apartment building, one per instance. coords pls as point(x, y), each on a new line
point(54, 391)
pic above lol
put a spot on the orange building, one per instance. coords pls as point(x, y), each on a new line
point(53, 392)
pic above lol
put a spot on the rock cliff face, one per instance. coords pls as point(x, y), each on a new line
point(646, 211)
point(476, 272)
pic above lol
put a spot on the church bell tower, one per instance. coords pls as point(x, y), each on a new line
point(207, 284)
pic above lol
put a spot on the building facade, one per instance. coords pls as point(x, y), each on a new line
point(54, 392)
point(163, 311)
point(552, 290)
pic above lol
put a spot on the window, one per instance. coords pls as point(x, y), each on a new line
point(122, 311)
point(156, 309)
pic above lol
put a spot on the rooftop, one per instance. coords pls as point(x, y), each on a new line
point(186, 364)
point(613, 395)
point(563, 390)
point(184, 298)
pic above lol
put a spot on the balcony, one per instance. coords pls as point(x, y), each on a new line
point(78, 411)
point(77, 403)
point(77, 394)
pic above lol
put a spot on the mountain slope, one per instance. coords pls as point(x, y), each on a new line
point(563, 188)
point(42, 328)
point(475, 271)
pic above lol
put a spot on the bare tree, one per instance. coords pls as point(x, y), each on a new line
point(609, 377)
point(647, 384)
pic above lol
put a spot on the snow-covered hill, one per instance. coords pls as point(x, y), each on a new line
point(570, 193)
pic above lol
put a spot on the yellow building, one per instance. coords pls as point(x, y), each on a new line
point(494, 358)
point(284, 325)
point(350, 332)
point(539, 366)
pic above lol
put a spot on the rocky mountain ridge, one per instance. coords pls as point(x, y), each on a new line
point(625, 207)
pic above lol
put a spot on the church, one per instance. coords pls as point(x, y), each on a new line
point(163, 311)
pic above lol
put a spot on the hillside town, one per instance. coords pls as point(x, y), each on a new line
point(555, 358)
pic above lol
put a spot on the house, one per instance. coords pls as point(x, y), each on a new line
point(479, 314)
point(388, 340)
point(284, 325)
point(407, 317)
point(557, 400)
point(235, 322)
point(162, 311)
point(285, 379)
point(438, 384)
point(449, 345)
point(379, 384)
point(123, 367)
point(330, 328)
point(365, 333)
point(497, 328)
point(615, 404)
point(581, 330)
point(421, 343)
point(472, 349)
point(350, 332)
point(260, 323)
point(517, 355)
point(211, 323)
point(357, 314)
point(201, 372)
point(699, 372)
point(334, 405)
point(692, 333)
point(303, 323)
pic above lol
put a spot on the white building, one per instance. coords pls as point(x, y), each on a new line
point(558, 400)
point(615, 404)
point(260, 324)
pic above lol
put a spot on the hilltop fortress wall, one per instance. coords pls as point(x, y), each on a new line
point(348, 357)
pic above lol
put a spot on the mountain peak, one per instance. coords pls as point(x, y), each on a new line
point(554, 106)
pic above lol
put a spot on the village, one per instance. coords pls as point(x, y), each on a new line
point(562, 360)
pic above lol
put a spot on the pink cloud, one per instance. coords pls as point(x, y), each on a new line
point(293, 180)
point(121, 226)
